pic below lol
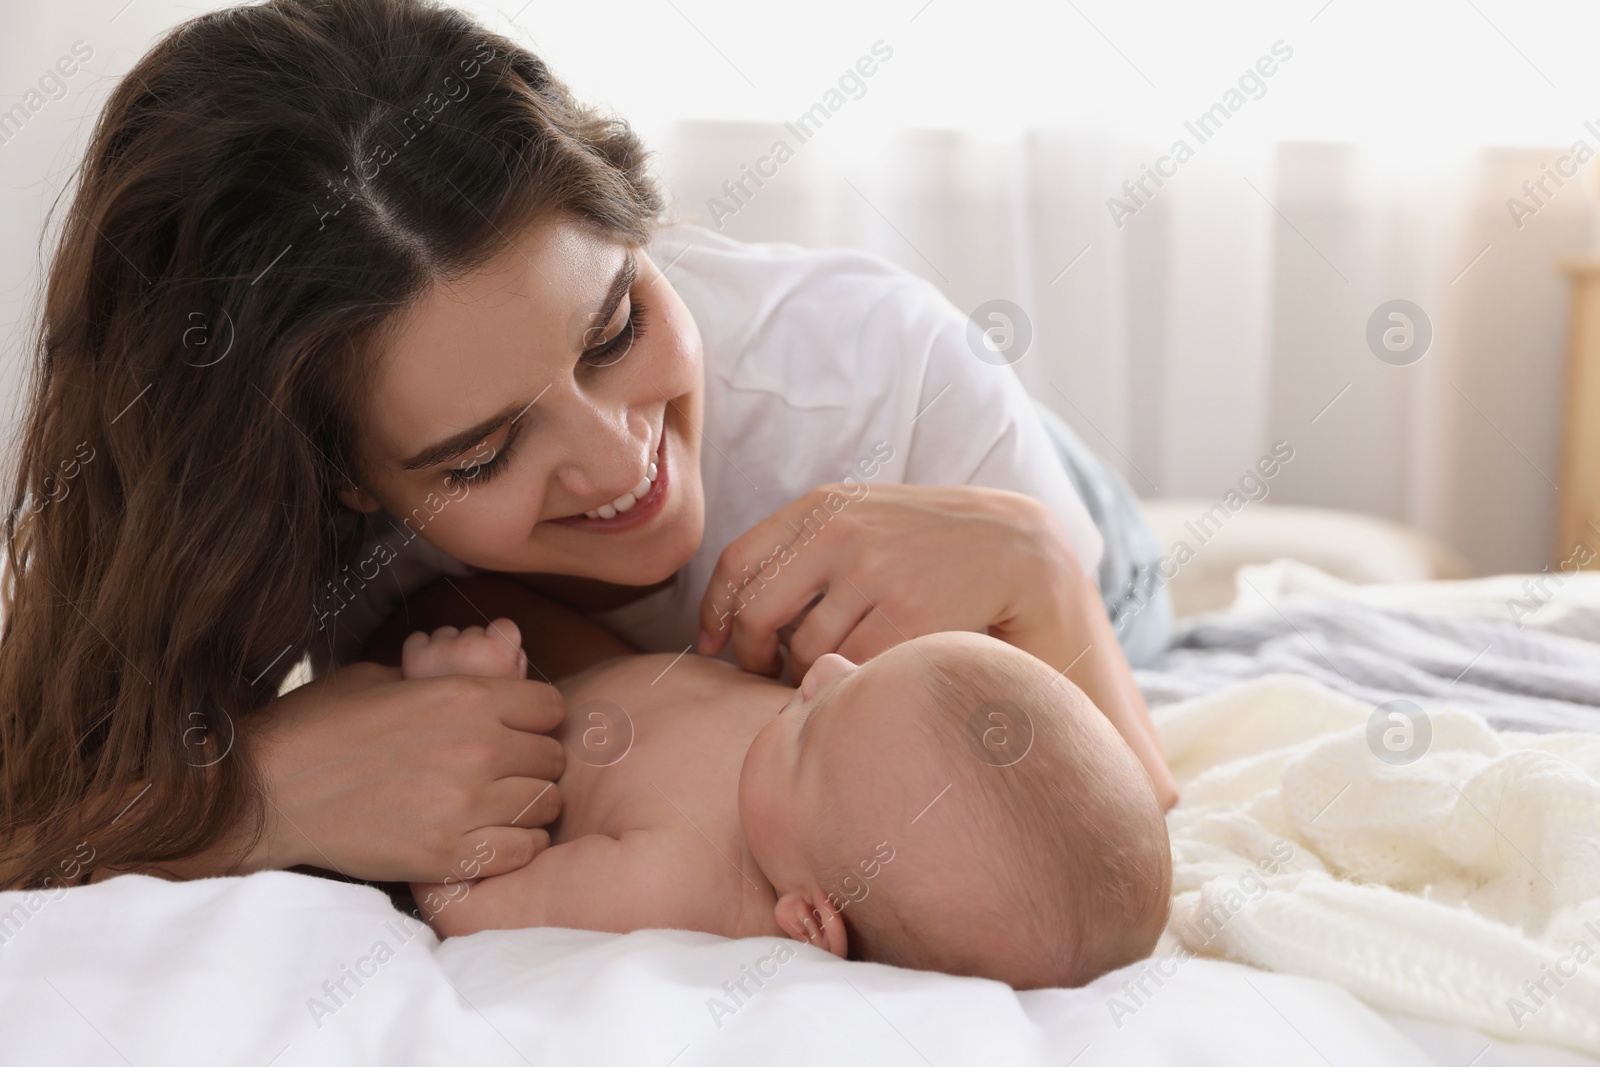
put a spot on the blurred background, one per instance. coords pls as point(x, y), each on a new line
point(1338, 155)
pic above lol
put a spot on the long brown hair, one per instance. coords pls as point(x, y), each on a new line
point(260, 195)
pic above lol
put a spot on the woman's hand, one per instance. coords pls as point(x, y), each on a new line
point(861, 569)
point(407, 781)
point(890, 562)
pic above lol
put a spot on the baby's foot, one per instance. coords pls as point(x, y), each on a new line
point(492, 653)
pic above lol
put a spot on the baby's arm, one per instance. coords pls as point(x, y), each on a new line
point(643, 880)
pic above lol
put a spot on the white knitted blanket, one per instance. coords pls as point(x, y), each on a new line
point(1462, 887)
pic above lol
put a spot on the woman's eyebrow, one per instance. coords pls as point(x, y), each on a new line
point(455, 444)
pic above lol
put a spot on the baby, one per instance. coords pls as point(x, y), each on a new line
point(953, 805)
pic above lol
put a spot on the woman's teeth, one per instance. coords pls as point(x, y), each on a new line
point(626, 500)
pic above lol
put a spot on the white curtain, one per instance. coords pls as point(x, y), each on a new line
point(1230, 310)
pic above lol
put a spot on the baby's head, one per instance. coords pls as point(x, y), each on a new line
point(956, 805)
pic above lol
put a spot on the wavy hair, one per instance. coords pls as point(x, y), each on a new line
point(260, 195)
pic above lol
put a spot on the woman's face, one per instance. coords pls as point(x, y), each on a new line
point(540, 415)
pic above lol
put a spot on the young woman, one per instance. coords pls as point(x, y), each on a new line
point(354, 294)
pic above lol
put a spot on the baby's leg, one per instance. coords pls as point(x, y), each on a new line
point(560, 642)
point(495, 652)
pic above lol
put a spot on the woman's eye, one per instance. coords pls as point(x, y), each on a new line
point(611, 350)
point(480, 472)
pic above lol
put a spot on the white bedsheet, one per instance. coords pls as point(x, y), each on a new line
point(228, 970)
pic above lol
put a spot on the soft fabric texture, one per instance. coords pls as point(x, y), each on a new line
point(1354, 546)
point(1132, 555)
point(1524, 650)
point(248, 970)
point(1435, 888)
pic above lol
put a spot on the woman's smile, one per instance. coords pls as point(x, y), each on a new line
point(634, 508)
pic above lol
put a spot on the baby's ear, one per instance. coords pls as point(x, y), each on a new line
point(812, 918)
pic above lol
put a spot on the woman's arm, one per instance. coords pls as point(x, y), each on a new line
point(384, 779)
point(893, 562)
point(1062, 620)
point(389, 780)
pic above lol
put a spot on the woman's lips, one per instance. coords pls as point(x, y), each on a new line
point(643, 510)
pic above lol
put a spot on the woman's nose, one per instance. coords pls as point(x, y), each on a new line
point(607, 460)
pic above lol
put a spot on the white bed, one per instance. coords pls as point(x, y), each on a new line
point(244, 971)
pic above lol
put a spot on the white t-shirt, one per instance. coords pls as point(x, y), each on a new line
point(814, 362)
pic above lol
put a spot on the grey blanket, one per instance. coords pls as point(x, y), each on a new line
point(1519, 679)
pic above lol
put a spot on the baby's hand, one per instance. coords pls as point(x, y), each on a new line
point(495, 653)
